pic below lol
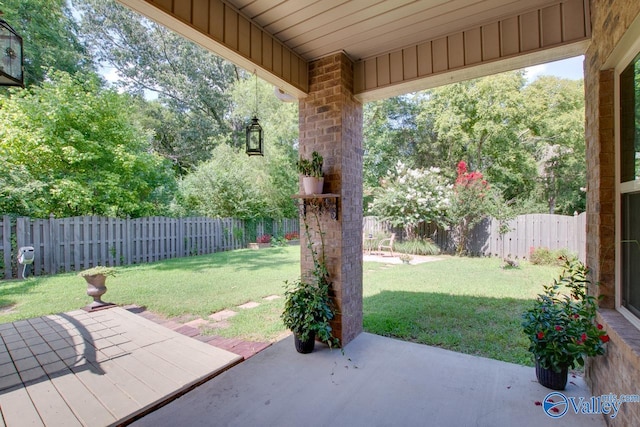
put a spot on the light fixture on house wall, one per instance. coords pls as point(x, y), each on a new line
point(11, 70)
point(255, 141)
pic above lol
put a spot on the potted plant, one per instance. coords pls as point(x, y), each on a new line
point(96, 278)
point(561, 326)
point(311, 171)
point(307, 312)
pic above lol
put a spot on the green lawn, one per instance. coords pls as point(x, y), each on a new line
point(469, 305)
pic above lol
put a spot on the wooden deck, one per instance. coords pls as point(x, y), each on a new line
point(97, 369)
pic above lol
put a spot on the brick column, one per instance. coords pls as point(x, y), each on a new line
point(331, 124)
point(601, 184)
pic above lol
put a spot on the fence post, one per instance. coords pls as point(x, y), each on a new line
point(6, 246)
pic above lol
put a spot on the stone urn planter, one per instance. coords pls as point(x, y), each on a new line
point(96, 287)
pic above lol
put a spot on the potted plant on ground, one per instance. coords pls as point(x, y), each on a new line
point(96, 278)
point(307, 312)
point(561, 326)
point(311, 171)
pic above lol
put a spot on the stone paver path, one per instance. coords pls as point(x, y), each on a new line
point(246, 349)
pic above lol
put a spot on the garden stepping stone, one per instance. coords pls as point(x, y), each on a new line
point(250, 304)
point(196, 323)
point(272, 297)
point(222, 315)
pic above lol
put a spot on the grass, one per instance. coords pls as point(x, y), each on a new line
point(469, 305)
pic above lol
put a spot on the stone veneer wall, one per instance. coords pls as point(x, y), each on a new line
point(331, 123)
point(618, 371)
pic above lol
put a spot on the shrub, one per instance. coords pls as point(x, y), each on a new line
point(265, 238)
point(420, 246)
point(279, 241)
point(293, 235)
point(545, 256)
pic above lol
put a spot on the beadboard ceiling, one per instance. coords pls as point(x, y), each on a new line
point(367, 28)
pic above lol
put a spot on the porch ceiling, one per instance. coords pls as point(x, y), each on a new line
point(396, 45)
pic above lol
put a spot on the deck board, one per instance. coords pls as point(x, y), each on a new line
point(93, 369)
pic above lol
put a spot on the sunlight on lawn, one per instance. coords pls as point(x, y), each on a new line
point(470, 305)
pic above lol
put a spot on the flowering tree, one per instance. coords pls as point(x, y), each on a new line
point(411, 196)
point(472, 201)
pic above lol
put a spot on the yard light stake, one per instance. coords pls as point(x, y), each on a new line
point(254, 131)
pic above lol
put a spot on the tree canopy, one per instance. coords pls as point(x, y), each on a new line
point(167, 136)
point(71, 148)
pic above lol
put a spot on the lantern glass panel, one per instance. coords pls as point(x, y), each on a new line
point(10, 56)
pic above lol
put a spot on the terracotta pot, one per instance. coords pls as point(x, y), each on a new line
point(312, 185)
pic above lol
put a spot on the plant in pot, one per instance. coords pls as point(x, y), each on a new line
point(307, 312)
point(561, 326)
point(308, 307)
point(311, 171)
point(96, 278)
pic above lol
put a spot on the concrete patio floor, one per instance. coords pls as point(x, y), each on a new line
point(378, 381)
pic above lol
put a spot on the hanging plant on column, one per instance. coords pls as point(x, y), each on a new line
point(308, 307)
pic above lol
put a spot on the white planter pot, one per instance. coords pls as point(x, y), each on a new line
point(312, 185)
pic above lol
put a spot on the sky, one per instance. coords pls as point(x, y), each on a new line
point(567, 68)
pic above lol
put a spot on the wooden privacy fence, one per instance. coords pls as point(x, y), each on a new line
point(526, 232)
point(74, 244)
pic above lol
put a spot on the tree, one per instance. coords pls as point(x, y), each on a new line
point(190, 81)
point(471, 202)
point(50, 37)
point(409, 197)
point(390, 135)
point(72, 148)
point(556, 122)
point(233, 185)
point(481, 121)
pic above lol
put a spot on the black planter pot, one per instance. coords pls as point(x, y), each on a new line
point(550, 378)
point(307, 346)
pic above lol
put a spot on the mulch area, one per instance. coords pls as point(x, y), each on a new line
point(242, 348)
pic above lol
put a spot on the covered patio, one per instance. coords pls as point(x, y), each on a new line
point(332, 56)
point(378, 381)
point(114, 367)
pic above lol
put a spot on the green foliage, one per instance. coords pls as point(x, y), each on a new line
point(307, 310)
point(311, 167)
point(234, 185)
point(71, 148)
point(50, 37)
point(411, 196)
point(556, 124)
point(472, 201)
point(98, 270)
point(417, 246)
point(561, 328)
point(190, 82)
point(545, 256)
point(528, 140)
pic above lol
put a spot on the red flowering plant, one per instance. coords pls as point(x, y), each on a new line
point(561, 325)
point(472, 201)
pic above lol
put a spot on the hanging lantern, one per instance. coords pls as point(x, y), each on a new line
point(254, 138)
point(254, 131)
point(10, 56)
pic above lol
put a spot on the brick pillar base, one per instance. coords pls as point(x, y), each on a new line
point(331, 124)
